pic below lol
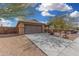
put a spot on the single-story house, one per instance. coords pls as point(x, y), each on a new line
point(25, 27)
point(29, 27)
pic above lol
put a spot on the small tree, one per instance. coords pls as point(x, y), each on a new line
point(59, 23)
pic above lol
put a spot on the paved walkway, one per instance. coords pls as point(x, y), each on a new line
point(55, 46)
point(18, 46)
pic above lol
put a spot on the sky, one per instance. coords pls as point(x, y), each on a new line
point(45, 11)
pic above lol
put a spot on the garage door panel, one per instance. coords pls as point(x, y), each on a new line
point(33, 29)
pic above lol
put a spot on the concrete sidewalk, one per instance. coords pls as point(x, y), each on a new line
point(55, 46)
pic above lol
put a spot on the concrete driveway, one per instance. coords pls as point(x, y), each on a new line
point(18, 46)
point(55, 46)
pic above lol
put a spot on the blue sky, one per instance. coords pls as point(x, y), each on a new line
point(44, 12)
point(75, 6)
point(37, 14)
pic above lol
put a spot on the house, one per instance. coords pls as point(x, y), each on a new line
point(30, 27)
point(24, 27)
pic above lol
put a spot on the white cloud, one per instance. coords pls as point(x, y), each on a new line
point(46, 14)
point(75, 14)
point(43, 22)
point(5, 23)
point(45, 7)
point(17, 19)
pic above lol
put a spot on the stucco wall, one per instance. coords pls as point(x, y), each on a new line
point(8, 30)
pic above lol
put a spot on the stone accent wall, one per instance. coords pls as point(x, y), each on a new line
point(21, 28)
point(43, 28)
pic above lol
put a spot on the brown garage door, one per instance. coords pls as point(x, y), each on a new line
point(32, 29)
